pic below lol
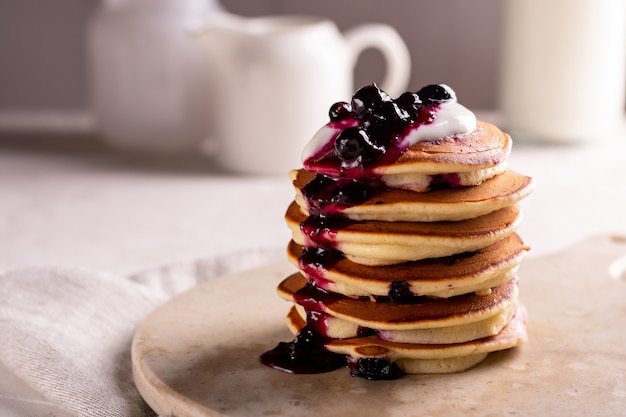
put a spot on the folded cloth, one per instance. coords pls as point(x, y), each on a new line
point(67, 332)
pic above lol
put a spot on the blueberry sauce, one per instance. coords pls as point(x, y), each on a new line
point(319, 258)
point(375, 369)
point(318, 320)
point(365, 331)
point(320, 231)
point(445, 180)
point(304, 355)
point(314, 261)
point(357, 151)
point(313, 298)
point(399, 291)
point(329, 196)
point(316, 277)
point(373, 130)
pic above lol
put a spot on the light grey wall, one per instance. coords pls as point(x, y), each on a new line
point(42, 57)
point(451, 41)
point(42, 53)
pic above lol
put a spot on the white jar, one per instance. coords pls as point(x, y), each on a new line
point(563, 70)
point(150, 83)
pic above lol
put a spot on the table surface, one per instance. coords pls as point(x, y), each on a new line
point(67, 203)
point(91, 207)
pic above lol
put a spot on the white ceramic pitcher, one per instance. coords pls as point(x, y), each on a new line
point(274, 79)
point(148, 78)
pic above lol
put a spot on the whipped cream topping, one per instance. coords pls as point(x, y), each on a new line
point(322, 138)
point(451, 118)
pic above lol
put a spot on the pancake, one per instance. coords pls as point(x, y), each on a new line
point(472, 157)
point(436, 277)
point(447, 358)
point(425, 182)
point(430, 358)
point(405, 314)
point(484, 147)
point(386, 243)
point(454, 334)
point(458, 203)
point(341, 329)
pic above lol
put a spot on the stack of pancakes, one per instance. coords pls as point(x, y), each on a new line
point(420, 277)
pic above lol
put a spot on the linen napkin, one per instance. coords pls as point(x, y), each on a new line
point(66, 332)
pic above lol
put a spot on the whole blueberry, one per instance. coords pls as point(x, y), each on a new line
point(368, 99)
point(319, 257)
point(306, 344)
point(395, 116)
point(409, 101)
point(436, 94)
point(339, 111)
point(390, 121)
point(350, 193)
point(371, 123)
point(351, 144)
point(392, 111)
point(399, 290)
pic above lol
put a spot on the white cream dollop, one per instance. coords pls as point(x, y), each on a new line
point(324, 135)
point(452, 119)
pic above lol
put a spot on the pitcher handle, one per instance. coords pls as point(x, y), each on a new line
point(395, 52)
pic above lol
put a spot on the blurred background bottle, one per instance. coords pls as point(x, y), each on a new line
point(563, 69)
point(149, 81)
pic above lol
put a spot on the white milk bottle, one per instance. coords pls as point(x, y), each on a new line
point(563, 69)
point(150, 82)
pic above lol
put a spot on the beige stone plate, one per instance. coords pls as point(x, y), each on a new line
point(197, 355)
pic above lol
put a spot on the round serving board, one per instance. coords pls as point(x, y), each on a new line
point(197, 355)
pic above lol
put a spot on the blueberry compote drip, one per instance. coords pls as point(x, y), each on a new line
point(370, 130)
point(375, 369)
point(313, 298)
point(314, 261)
point(369, 133)
point(304, 355)
point(319, 258)
point(320, 231)
point(329, 196)
point(445, 180)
